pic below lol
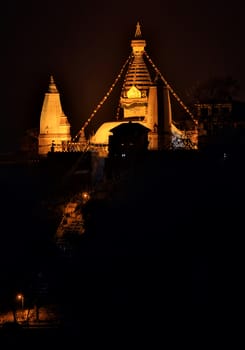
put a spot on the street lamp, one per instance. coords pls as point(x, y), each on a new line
point(85, 197)
point(21, 298)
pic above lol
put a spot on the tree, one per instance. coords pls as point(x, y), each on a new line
point(216, 89)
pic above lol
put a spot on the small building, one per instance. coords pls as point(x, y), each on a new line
point(217, 114)
point(128, 140)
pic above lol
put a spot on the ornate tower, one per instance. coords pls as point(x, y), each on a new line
point(146, 100)
point(54, 125)
point(134, 96)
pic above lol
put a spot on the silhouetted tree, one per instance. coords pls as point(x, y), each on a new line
point(216, 89)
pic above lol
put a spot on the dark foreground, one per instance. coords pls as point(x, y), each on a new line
point(148, 252)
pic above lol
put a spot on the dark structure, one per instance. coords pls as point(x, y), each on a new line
point(127, 144)
point(128, 140)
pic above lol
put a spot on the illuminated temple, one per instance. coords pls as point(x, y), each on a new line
point(144, 99)
point(54, 125)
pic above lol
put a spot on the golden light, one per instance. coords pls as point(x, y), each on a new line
point(133, 92)
point(85, 196)
point(20, 297)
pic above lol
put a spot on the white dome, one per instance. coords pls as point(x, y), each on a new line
point(102, 134)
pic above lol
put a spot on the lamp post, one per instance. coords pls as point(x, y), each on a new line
point(85, 197)
point(21, 298)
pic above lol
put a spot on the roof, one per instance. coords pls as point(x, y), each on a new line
point(130, 126)
point(106, 129)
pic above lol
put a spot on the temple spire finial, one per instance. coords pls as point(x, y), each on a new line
point(138, 31)
point(52, 86)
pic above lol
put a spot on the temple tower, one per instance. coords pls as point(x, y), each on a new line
point(134, 95)
point(145, 99)
point(54, 125)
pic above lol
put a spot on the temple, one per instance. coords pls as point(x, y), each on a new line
point(54, 125)
point(144, 99)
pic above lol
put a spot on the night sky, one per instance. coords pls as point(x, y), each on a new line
point(85, 43)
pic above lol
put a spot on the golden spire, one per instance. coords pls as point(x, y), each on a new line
point(138, 31)
point(52, 86)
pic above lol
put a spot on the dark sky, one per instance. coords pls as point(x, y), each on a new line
point(85, 43)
